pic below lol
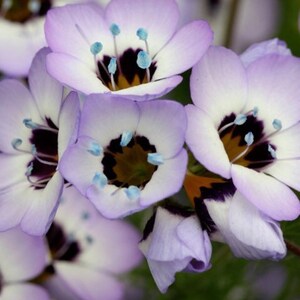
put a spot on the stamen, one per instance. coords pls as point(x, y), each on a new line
point(114, 29)
point(255, 111)
point(29, 170)
point(144, 62)
point(240, 119)
point(34, 6)
point(112, 68)
point(100, 180)
point(6, 4)
point(126, 138)
point(155, 159)
point(272, 151)
point(16, 143)
point(95, 149)
point(89, 239)
point(133, 192)
point(249, 138)
point(277, 124)
point(96, 48)
point(36, 156)
point(32, 125)
point(85, 215)
point(143, 35)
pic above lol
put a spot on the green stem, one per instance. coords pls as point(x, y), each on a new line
point(292, 248)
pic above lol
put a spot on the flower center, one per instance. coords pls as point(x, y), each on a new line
point(128, 165)
point(44, 150)
point(23, 10)
point(120, 71)
point(245, 142)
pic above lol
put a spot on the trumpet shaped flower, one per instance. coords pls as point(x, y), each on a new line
point(37, 125)
point(128, 155)
point(131, 48)
point(244, 125)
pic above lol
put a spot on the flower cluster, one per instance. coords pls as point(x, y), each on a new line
point(91, 136)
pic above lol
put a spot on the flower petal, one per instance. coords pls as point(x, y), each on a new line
point(19, 105)
point(83, 25)
point(22, 256)
point(43, 206)
point(274, 90)
point(203, 139)
point(261, 234)
point(268, 194)
point(71, 72)
point(166, 180)
point(46, 91)
point(261, 49)
point(68, 122)
point(219, 84)
point(163, 122)
point(21, 291)
point(89, 283)
point(130, 15)
point(105, 118)
point(190, 43)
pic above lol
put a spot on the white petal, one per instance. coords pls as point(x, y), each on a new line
point(204, 141)
point(218, 84)
point(23, 291)
point(268, 194)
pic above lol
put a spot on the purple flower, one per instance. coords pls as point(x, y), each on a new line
point(128, 154)
point(22, 257)
point(174, 243)
point(37, 125)
point(89, 252)
point(244, 125)
point(132, 49)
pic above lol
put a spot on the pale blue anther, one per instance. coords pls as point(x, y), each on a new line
point(272, 151)
point(249, 138)
point(114, 29)
point(143, 60)
point(100, 180)
point(16, 143)
point(89, 239)
point(155, 159)
point(29, 169)
point(34, 6)
point(126, 138)
point(240, 119)
point(96, 48)
point(30, 124)
point(142, 34)
point(277, 124)
point(255, 111)
point(33, 149)
point(112, 66)
point(133, 192)
point(95, 149)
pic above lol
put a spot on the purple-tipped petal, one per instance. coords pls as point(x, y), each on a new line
point(219, 84)
point(22, 256)
point(46, 91)
point(268, 194)
point(203, 139)
point(190, 43)
point(163, 122)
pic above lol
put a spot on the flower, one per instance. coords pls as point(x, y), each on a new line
point(131, 49)
point(85, 249)
point(128, 154)
point(22, 32)
point(244, 125)
point(18, 264)
point(173, 243)
point(35, 129)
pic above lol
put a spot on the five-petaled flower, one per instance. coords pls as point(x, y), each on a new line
point(36, 128)
point(130, 49)
point(244, 125)
point(128, 155)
